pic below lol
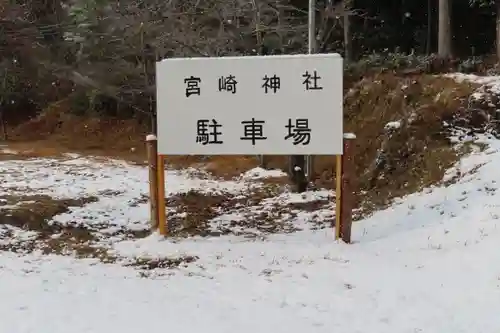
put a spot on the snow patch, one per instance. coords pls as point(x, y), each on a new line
point(392, 125)
point(260, 173)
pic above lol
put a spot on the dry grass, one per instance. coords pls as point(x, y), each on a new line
point(57, 131)
point(34, 213)
point(193, 210)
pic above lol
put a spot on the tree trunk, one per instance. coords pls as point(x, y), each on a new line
point(444, 31)
point(347, 30)
point(497, 4)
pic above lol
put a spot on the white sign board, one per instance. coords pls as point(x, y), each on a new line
point(256, 105)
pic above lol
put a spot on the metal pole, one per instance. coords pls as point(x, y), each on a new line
point(300, 165)
point(312, 49)
point(312, 26)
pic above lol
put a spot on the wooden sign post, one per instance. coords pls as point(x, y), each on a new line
point(287, 105)
point(344, 194)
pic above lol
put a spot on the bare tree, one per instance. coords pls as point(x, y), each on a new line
point(117, 51)
point(340, 16)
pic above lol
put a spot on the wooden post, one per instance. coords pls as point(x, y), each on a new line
point(345, 190)
point(162, 217)
point(152, 150)
point(338, 195)
point(347, 187)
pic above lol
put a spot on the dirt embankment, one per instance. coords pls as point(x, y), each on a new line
point(402, 144)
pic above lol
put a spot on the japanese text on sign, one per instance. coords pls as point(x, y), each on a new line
point(250, 105)
point(209, 131)
point(272, 84)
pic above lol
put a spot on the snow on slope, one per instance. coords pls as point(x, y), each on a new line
point(429, 263)
point(489, 84)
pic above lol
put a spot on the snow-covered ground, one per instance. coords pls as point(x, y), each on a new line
point(429, 263)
